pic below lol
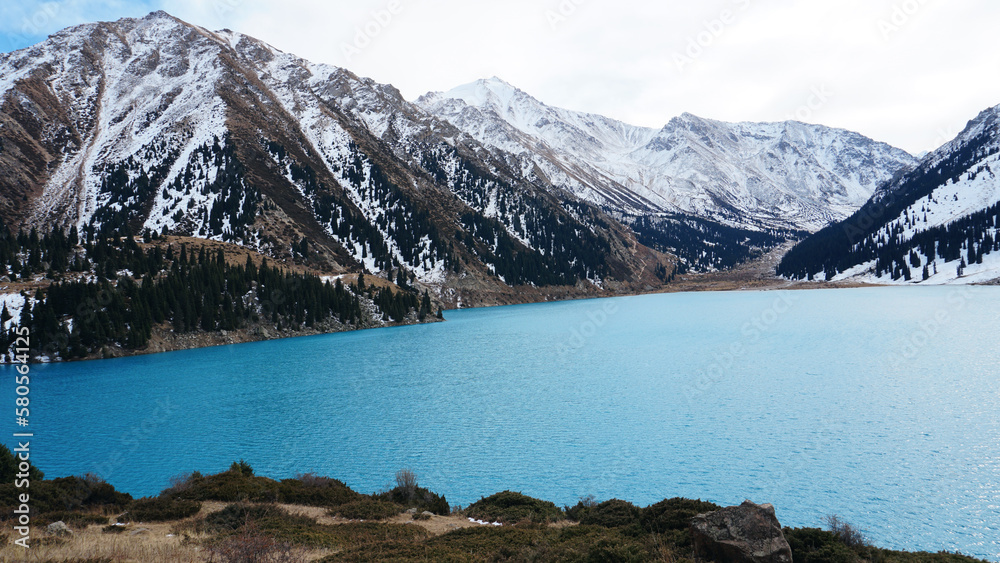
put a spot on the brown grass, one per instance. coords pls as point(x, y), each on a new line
point(92, 543)
point(170, 542)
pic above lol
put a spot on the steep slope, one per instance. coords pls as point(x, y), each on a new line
point(789, 176)
point(935, 224)
point(157, 124)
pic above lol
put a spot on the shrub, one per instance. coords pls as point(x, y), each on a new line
point(846, 533)
point(235, 516)
point(574, 513)
point(304, 530)
point(572, 543)
point(613, 513)
point(368, 509)
point(241, 467)
point(673, 514)
point(160, 509)
point(411, 495)
point(312, 490)
point(406, 482)
point(229, 486)
point(9, 467)
point(236, 486)
point(812, 545)
point(251, 545)
point(510, 507)
point(183, 482)
point(836, 552)
point(420, 498)
point(64, 494)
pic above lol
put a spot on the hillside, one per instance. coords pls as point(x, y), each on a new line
point(84, 298)
point(937, 223)
point(156, 124)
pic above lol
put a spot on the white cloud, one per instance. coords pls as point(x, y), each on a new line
point(902, 71)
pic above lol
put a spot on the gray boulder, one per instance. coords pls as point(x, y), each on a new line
point(749, 533)
point(58, 529)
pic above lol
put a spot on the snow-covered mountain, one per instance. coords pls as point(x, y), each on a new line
point(751, 175)
point(939, 223)
point(158, 124)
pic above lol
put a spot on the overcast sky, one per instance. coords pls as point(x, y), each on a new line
point(907, 72)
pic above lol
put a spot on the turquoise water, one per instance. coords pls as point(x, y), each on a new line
point(879, 405)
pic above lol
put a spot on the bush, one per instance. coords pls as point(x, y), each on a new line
point(235, 516)
point(183, 482)
point(846, 533)
point(304, 530)
point(64, 494)
point(251, 545)
point(160, 509)
point(229, 486)
point(9, 467)
point(812, 545)
point(420, 498)
point(312, 490)
point(673, 514)
point(411, 495)
point(241, 467)
point(486, 543)
point(236, 485)
point(574, 513)
point(368, 509)
point(613, 513)
point(836, 552)
point(406, 482)
point(510, 508)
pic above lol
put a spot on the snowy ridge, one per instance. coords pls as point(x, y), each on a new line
point(148, 89)
point(756, 175)
point(937, 224)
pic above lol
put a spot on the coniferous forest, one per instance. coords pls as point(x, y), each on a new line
point(877, 231)
point(90, 292)
point(704, 246)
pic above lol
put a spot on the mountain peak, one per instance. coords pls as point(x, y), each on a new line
point(497, 81)
point(485, 92)
point(158, 14)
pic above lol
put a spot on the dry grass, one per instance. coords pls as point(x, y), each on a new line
point(172, 542)
point(91, 543)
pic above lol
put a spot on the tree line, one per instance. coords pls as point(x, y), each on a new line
point(108, 290)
